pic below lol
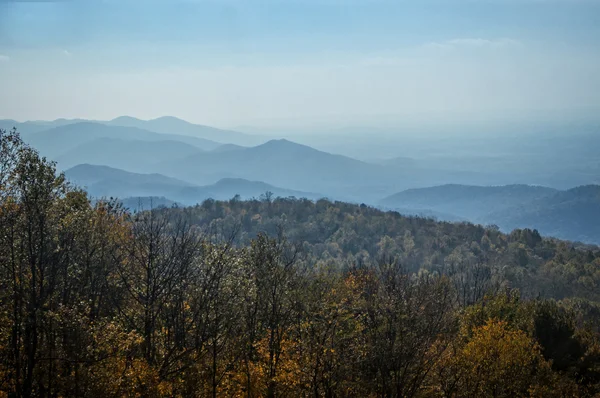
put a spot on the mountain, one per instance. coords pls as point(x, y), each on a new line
point(163, 125)
point(173, 125)
point(282, 163)
point(57, 141)
point(573, 214)
point(103, 181)
point(134, 155)
point(8, 124)
point(23, 128)
point(35, 126)
point(227, 188)
point(467, 201)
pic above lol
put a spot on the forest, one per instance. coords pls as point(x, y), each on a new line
point(280, 297)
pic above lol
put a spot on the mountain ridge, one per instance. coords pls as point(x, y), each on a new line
point(105, 181)
point(56, 141)
point(571, 214)
point(174, 125)
point(280, 162)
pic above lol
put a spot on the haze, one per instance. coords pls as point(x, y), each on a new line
point(303, 66)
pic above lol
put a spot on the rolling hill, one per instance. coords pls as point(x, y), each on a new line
point(283, 163)
point(227, 188)
point(103, 181)
point(573, 214)
point(57, 141)
point(35, 126)
point(468, 201)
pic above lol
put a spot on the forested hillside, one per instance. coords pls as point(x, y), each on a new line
point(281, 298)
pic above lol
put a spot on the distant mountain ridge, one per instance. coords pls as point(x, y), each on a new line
point(163, 125)
point(281, 163)
point(135, 146)
point(88, 173)
point(57, 141)
point(572, 214)
point(468, 201)
point(173, 125)
point(104, 181)
point(131, 155)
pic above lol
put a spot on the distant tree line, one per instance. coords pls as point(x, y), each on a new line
point(280, 298)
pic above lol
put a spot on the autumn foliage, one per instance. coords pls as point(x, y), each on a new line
point(96, 301)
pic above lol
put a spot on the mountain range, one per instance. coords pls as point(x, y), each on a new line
point(132, 155)
point(176, 161)
point(173, 125)
point(572, 214)
point(283, 163)
point(164, 125)
point(57, 141)
point(104, 181)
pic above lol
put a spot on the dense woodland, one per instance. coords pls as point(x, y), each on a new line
point(280, 298)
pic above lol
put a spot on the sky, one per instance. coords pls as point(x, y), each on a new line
point(305, 64)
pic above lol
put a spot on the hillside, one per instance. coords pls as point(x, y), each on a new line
point(352, 233)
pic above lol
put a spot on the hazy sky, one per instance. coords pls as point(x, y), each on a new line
point(283, 62)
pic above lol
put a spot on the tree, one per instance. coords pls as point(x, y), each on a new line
point(33, 259)
point(155, 275)
point(497, 361)
point(407, 321)
point(270, 311)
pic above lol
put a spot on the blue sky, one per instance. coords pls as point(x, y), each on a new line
point(299, 62)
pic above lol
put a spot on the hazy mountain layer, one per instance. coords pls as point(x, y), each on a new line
point(573, 214)
point(135, 155)
point(284, 163)
point(173, 125)
point(57, 141)
point(467, 201)
point(103, 181)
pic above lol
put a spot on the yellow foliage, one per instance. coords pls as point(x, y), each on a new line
point(497, 361)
